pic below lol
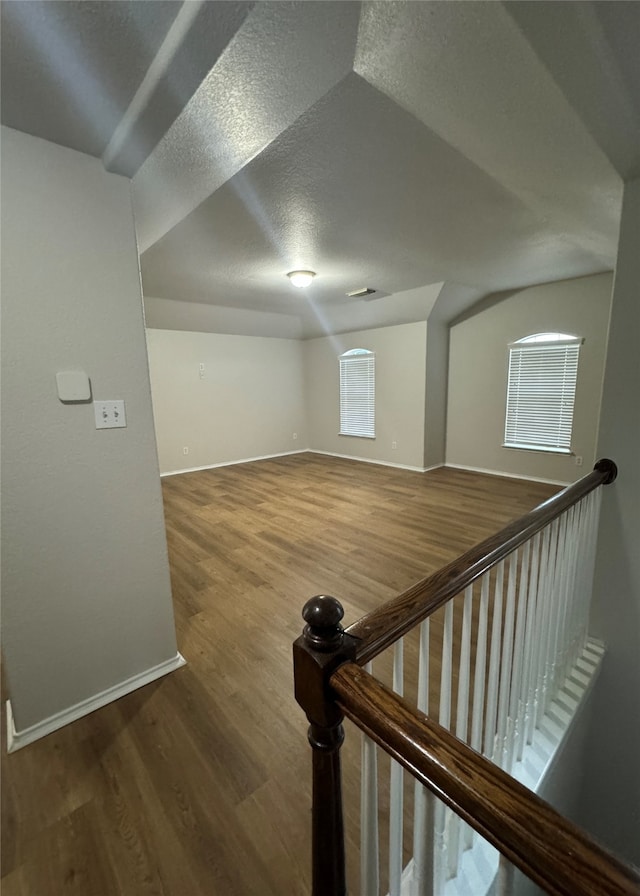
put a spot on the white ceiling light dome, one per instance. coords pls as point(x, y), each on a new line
point(301, 278)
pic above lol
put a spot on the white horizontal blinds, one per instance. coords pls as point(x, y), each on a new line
point(541, 392)
point(357, 393)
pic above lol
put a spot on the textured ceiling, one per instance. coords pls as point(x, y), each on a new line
point(392, 145)
point(71, 68)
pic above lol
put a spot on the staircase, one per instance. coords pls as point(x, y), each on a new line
point(487, 663)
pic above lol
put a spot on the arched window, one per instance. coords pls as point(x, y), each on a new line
point(543, 371)
point(358, 393)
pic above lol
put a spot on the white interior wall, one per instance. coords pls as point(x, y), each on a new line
point(248, 402)
point(400, 394)
point(478, 367)
point(85, 581)
point(610, 798)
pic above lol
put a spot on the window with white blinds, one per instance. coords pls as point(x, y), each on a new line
point(358, 393)
point(543, 370)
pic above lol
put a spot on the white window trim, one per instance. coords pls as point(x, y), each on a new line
point(524, 420)
point(357, 406)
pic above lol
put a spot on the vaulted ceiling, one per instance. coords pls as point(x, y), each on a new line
point(398, 146)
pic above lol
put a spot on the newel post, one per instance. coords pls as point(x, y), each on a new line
point(317, 653)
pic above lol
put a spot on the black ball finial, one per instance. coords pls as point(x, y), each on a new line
point(322, 614)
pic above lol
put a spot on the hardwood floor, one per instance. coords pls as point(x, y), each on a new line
point(199, 784)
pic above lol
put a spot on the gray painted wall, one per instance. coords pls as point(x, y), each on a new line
point(478, 369)
point(85, 581)
point(610, 804)
point(435, 411)
point(248, 402)
point(400, 393)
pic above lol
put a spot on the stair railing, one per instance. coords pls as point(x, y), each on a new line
point(527, 638)
point(551, 851)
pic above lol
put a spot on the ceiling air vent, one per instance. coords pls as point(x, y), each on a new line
point(361, 293)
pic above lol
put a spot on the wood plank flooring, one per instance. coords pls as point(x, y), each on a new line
point(199, 784)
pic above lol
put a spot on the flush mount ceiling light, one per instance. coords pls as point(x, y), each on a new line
point(301, 278)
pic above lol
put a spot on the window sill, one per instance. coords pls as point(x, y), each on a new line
point(539, 448)
point(356, 435)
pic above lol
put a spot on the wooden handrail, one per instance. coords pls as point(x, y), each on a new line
point(385, 625)
point(550, 850)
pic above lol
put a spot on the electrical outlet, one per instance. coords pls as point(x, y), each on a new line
point(295, 436)
point(201, 371)
point(394, 445)
point(109, 414)
point(578, 461)
point(185, 450)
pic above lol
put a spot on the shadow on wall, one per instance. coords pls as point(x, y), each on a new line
point(609, 804)
point(485, 303)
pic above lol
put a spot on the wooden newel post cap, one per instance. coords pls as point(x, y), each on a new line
point(317, 653)
point(609, 468)
point(322, 614)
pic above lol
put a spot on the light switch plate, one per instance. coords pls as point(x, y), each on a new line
point(73, 385)
point(109, 414)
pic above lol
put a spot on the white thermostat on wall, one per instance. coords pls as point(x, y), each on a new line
point(73, 385)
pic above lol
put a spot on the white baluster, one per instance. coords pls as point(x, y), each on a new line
point(537, 666)
point(573, 601)
point(396, 809)
point(494, 664)
point(456, 834)
point(441, 813)
point(422, 883)
point(572, 596)
point(505, 878)
point(464, 670)
point(556, 608)
point(369, 841)
point(576, 588)
point(530, 639)
point(480, 667)
point(583, 583)
point(545, 625)
point(445, 672)
point(548, 628)
point(503, 727)
point(566, 549)
point(477, 715)
point(423, 668)
point(516, 700)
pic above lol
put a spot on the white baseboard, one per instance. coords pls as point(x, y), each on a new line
point(506, 475)
point(232, 463)
point(18, 739)
point(366, 460)
point(381, 463)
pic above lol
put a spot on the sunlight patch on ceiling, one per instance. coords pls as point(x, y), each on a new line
point(281, 61)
